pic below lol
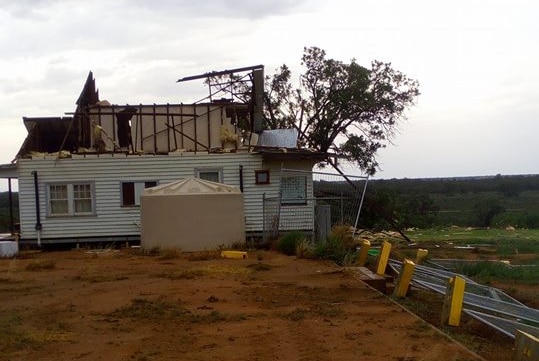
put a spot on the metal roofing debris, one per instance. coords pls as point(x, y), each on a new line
point(486, 304)
point(218, 73)
point(280, 138)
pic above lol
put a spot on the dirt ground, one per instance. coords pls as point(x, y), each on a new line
point(122, 305)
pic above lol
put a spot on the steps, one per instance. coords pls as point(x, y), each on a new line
point(383, 283)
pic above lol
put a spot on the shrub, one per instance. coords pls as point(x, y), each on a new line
point(287, 243)
point(344, 233)
point(304, 248)
point(332, 249)
point(340, 246)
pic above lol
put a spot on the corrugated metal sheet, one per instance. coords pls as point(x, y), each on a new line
point(280, 138)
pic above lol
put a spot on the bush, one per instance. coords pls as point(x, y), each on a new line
point(287, 243)
point(304, 248)
point(333, 249)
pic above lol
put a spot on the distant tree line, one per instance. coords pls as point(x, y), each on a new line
point(497, 201)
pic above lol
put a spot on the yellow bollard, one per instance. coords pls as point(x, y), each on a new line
point(526, 347)
point(383, 257)
point(363, 252)
point(404, 279)
point(454, 298)
point(421, 254)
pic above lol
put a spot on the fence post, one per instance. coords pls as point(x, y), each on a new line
point(404, 279)
point(264, 229)
point(454, 298)
point(383, 257)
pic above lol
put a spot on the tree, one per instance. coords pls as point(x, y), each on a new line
point(340, 108)
point(485, 211)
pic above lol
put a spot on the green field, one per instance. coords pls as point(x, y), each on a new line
point(519, 248)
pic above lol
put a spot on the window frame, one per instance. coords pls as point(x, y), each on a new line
point(258, 173)
point(299, 188)
point(70, 198)
point(217, 170)
point(138, 188)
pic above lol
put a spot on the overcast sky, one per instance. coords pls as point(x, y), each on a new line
point(477, 63)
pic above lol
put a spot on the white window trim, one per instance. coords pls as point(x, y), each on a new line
point(70, 199)
point(210, 170)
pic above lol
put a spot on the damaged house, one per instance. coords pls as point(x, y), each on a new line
point(81, 175)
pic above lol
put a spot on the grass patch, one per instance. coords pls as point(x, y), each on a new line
point(486, 272)
point(161, 311)
point(204, 255)
point(260, 266)
point(149, 310)
point(324, 310)
point(297, 314)
point(13, 339)
point(94, 277)
point(188, 274)
point(169, 253)
point(328, 310)
point(41, 265)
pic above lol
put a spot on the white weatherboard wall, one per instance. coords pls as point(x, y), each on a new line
point(106, 172)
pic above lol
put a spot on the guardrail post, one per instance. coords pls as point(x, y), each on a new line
point(526, 347)
point(404, 279)
point(454, 298)
point(383, 257)
point(421, 255)
point(363, 252)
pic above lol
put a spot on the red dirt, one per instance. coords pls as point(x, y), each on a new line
point(120, 305)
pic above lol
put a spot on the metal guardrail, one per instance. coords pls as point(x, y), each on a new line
point(487, 304)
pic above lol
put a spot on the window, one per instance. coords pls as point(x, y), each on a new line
point(131, 192)
point(58, 201)
point(82, 198)
point(262, 176)
point(294, 190)
point(70, 199)
point(210, 174)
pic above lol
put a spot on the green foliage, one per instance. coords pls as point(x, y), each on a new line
point(498, 201)
point(486, 271)
point(332, 249)
point(336, 101)
point(486, 211)
point(288, 242)
point(339, 247)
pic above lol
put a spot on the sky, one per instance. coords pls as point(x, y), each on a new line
point(476, 62)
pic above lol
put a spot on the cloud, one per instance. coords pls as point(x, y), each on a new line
point(237, 9)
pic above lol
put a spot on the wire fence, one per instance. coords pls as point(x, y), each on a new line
point(313, 203)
